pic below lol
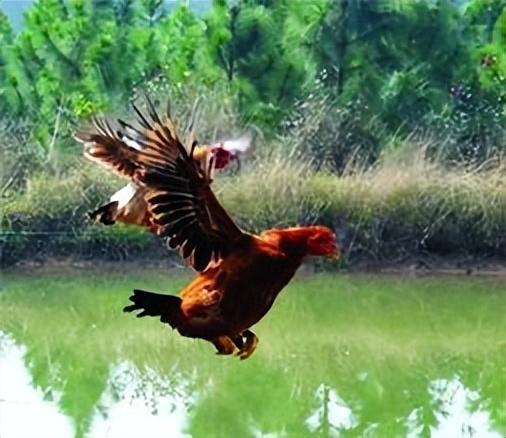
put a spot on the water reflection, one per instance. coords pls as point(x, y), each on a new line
point(138, 403)
point(454, 402)
point(331, 414)
point(26, 411)
point(133, 404)
point(341, 356)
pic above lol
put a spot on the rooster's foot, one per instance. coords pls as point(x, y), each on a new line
point(224, 345)
point(250, 344)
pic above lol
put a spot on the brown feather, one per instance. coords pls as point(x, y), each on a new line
point(181, 201)
point(107, 149)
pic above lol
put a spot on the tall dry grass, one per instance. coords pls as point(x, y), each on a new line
point(407, 203)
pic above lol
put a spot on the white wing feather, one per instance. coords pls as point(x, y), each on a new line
point(241, 144)
point(124, 195)
point(131, 143)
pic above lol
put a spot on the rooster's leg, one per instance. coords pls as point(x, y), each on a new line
point(224, 345)
point(250, 345)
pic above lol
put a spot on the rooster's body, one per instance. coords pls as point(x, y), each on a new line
point(240, 274)
point(223, 302)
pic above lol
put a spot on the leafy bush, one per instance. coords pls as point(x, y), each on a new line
point(49, 219)
point(333, 134)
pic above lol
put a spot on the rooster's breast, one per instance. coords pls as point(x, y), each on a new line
point(251, 283)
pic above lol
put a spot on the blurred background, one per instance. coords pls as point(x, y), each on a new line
point(383, 119)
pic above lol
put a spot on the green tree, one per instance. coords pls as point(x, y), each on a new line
point(394, 55)
point(263, 49)
point(6, 37)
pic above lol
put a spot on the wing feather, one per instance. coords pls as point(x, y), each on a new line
point(176, 184)
point(105, 146)
point(179, 198)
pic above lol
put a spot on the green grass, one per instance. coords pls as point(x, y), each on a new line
point(396, 209)
point(377, 341)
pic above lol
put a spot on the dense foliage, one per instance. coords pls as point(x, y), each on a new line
point(408, 64)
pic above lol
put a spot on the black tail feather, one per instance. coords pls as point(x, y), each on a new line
point(167, 307)
point(105, 214)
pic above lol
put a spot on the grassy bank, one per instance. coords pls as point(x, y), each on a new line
point(399, 208)
point(395, 208)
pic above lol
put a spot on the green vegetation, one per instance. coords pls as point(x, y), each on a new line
point(380, 343)
point(399, 208)
point(408, 64)
point(360, 90)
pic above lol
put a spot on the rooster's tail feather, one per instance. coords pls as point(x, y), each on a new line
point(167, 307)
point(105, 214)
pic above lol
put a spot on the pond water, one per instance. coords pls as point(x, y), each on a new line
point(339, 356)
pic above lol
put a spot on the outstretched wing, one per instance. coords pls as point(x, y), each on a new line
point(107, 146)
point(179, 198)
point(241, 144)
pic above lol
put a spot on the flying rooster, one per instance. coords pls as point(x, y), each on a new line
point(239, 274)
point(128, 205)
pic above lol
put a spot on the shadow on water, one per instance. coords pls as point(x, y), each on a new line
point(347, 357)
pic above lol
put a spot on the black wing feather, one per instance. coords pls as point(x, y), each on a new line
point(179, 196)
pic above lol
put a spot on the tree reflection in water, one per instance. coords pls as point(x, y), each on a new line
point(136, 402)
point(376, 366)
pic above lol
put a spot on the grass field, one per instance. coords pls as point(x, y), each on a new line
point(347, 356)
